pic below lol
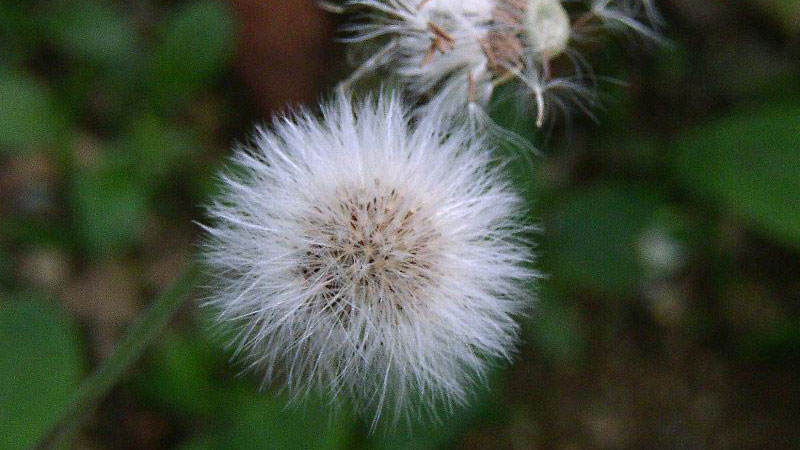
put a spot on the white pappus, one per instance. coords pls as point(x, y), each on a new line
point(454, 54)
point(369, 256)
point(433, 46)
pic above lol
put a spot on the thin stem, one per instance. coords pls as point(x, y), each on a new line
point(94, 389)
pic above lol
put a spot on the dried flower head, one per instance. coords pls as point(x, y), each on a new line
point(454, 54)
point(370, 257)
point(434, 46)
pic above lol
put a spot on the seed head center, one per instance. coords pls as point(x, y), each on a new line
point(370, 245)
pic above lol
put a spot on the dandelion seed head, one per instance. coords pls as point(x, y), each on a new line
point(369, 256)
point(435, 47)
point(453, 55)
point(373, 244)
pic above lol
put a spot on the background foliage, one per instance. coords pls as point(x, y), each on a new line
point(670, 318)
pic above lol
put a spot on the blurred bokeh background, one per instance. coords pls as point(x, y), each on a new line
point(670, 318)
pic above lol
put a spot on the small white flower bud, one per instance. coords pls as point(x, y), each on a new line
point(548, 27)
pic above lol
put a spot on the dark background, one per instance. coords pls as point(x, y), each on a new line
point(670, 317)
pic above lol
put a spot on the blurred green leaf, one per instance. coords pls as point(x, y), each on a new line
point(425, 435)
point(178, 376)
point(749, 162)
point(198, 443)
point(785, 12)
point(41, 368)
point(29, 231)
point(751, 69)
point(778, 344)
point(485, 407)
point(553, 328)
point(102, 73)
point(595, 238)
point(19, 30)
point(28, 114)
point(422, 437)
point(215, 333)
point(272, 425)
point(155, 149)
point(91, 30)
point(264, 422)
point(109, 208)
point(194, 47)
point(5, 267)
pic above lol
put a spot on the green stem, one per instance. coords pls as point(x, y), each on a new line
point(94, 389)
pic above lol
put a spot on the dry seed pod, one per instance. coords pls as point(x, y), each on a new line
point(452, 55)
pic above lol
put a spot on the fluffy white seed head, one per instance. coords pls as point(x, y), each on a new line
point(454, 54)
point(434, 46)
point(369, 257)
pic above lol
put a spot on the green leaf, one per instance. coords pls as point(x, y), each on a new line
point(423, 436)
point(178, 376)
point(91, 30)
point(155, 149)
point(109, 207)
point(779, 344)
point(264, 422)
point(195, 46)
point(19, 30)
point(485, 407)
point(37, 232)
point(596, 238)
point(749, 162)
point(28, 115)
point(553, 328)
point(784, 12)
point(6, 273)
point(40, 351)
point(198, 443)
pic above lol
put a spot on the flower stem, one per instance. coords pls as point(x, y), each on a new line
point(94, 389)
